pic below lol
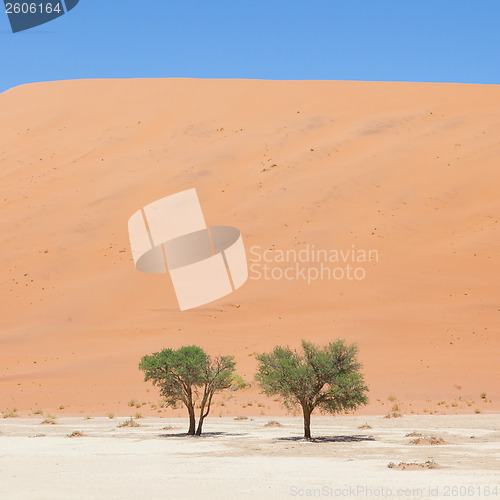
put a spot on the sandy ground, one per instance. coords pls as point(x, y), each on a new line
point(408, 170)
point(246, 459)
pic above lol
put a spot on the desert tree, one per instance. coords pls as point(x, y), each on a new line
point(327, 378)
point(183, 373)
point(217, 375)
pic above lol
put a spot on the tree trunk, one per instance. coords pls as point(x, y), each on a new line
point(307, 422)
point(200, 425)
point(208, 395)
point(192, 421)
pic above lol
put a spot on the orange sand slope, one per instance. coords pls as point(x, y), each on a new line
point(408, 170)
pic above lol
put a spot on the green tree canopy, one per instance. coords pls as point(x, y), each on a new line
point(326, 377)
point(182, 374)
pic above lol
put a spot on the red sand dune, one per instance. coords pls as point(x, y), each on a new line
point(408, 169)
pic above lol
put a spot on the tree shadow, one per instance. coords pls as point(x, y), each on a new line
point(204, 434)
point(330, 439)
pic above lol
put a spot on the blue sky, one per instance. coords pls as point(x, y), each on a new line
point(386, 40)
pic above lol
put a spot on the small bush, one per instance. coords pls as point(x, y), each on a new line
point(38, 411)
point(394, 414)
point(75, 434)
point(414, 434)
point(477, 410)
point(392, 398)
point(273, 423)
point(111, 415)
point(430, 464)
point(483, 395)
point(238, 382)
point(431, 440)
point(240, 418)
point(129, 423)
point(48, 421)
point(10, 413)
